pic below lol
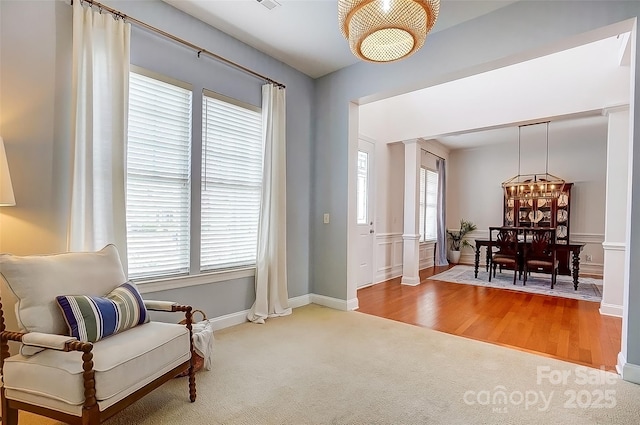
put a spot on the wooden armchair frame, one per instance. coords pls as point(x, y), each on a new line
point(91, 414)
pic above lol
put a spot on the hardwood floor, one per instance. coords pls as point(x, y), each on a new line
point(562, 328)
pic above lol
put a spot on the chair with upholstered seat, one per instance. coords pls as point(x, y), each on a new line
point(540, 253)
point(505, 240)
point(87, 346)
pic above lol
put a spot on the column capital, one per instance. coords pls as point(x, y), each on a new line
point(411, 141)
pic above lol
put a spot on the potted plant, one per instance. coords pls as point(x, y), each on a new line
point(458, 240)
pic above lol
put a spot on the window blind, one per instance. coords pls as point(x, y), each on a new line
point(158, 182)
point(232, 154)
point(362, 206)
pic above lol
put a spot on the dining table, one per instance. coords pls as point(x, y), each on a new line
point(573, 249)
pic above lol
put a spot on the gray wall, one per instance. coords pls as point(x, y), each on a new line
point(35, 45)
point(463, 50)
point(508, 35)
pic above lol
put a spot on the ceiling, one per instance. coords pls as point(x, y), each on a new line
point(304, 34)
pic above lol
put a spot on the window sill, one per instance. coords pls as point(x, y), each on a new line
point(178, 282)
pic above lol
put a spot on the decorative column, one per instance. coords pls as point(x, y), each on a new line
point(629, 357)
point(615, 211)
point(411, 235)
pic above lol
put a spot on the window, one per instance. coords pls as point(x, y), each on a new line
point(158, 177)
point(362, 207)
point(428, 204)
point(165, 238)
point(231, 182)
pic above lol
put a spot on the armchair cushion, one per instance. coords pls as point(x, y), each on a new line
point(122, 364)
point(37, 280)
point(91, 318)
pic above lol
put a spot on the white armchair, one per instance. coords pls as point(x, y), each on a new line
point(114, 355)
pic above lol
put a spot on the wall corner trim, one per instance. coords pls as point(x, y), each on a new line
point(630, 372)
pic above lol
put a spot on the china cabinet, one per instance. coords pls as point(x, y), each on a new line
point(543, 213)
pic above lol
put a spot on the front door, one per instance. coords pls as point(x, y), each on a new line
point(365, 208)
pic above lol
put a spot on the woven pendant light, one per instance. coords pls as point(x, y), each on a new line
point(386, 30)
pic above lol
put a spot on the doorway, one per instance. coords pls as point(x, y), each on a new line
point(365, 207)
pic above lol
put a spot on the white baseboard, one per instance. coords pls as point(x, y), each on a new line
point(352, 304)
point(229, 320)
point(240, 317)
point(300, 301)
point(388, 273)
point(607, 309)
point(629, 372)
point(335, 303)
point(594, 269)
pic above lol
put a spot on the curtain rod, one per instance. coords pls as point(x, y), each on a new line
point(117, 14)
point(437, 156)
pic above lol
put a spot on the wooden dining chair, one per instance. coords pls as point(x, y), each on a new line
point(540, 253)
point(505, 239)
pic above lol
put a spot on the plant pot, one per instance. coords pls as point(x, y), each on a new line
point(454, 257)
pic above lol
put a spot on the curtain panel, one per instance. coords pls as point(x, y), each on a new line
point(272, 297)
point(100, 99)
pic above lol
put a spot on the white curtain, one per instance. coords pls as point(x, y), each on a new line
point(100, 100)
point(441, 237)
point(271, 268)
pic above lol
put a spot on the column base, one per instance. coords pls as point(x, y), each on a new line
point(411, 281)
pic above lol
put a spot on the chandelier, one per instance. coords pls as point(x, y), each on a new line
point(533, 186)
point(386, 30)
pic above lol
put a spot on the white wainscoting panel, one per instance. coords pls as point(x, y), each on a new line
point(427, 254)
point(388, 256)
point(468, 255)
point(593, 247)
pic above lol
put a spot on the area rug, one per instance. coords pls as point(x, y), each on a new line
point(589, 289)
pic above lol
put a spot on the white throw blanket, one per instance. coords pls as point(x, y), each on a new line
point(203, 341)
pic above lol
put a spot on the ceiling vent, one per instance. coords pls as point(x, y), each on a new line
point(269, 4)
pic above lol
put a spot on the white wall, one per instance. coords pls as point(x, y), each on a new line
point(390, 207)
point(576, 153)
point(389, 187)
point(585, 78)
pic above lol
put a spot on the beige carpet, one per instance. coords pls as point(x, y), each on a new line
point(322, 366)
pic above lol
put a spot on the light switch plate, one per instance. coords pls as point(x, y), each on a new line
point(325, 218)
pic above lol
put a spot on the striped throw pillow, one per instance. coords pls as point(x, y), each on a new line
point(92, 318)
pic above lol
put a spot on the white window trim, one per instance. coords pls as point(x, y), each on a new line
point(185, 281)
point(195, 277)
